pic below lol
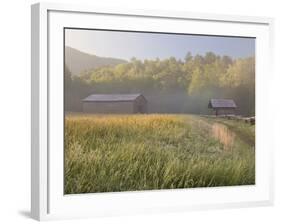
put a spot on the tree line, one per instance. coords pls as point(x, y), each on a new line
point(171, 85)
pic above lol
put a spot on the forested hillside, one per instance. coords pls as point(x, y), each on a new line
point(171, 85)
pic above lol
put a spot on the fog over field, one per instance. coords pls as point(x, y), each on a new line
point(176, 73)
point(136, 111)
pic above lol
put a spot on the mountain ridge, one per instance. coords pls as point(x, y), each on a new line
point(78, 61)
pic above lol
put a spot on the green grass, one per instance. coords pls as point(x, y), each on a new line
point(143, 152)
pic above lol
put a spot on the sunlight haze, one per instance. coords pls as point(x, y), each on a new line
point(125, 45)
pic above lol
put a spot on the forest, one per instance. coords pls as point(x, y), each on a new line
point(170, 85)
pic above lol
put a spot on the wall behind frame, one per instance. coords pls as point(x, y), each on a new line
point(15, 117)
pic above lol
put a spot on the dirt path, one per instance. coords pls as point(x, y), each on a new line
point(244, 135)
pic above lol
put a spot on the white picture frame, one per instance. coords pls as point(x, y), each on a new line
point(47, 198)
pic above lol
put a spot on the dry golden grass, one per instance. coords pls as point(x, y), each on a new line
point(106, 153)
point(224, 135)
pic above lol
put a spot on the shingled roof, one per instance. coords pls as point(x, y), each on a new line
point(222, 103)
point(111, 97)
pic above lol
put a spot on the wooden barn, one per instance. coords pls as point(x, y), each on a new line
point(222, 106)
point(115, 103)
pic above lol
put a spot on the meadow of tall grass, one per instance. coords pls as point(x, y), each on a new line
point(110, 153)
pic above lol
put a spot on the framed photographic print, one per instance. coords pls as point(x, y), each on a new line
point(148, 111)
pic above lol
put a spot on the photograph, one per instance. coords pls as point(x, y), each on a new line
point(157, 110)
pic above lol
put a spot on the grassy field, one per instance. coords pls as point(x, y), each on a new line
point(109, 153)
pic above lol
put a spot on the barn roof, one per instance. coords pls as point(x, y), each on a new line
point(222, 103)
point(111, 97)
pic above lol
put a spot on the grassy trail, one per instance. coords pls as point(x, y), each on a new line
point(245, 133)
point(144, 152)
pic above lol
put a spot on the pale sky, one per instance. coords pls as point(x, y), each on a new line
point(125, 45)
